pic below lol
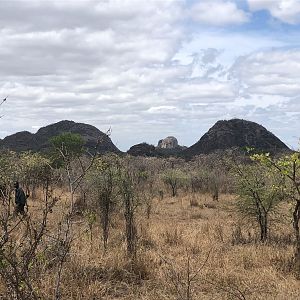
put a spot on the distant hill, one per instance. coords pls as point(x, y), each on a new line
point(169, 142)
point(24, 141)
point(142, 149)
point(169, 147)
point(236, 133)
point(165, 148)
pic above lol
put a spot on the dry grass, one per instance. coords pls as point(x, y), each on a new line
point(179, 230)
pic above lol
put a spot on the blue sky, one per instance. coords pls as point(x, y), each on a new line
point(150, 69)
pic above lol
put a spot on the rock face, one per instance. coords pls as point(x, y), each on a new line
point(165, 148)
point(169, 147)
point(24, 141)
point(21, 141)
point(236, 133)
point(142, 149)
point(169, 142)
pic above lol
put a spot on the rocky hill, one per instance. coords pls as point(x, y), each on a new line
point(236, 133)
point(169, 146)
point(165, 148)
point(24, 141)
point(142, 149)
point(169, 142)
point(21, 141)
point(223, 135)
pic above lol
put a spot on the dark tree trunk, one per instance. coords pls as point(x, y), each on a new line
point(105, 225)
point(130, 227)
point(296, 218)
point(174, 190)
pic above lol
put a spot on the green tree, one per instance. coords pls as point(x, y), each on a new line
point(174, 178)
point(67, 146)
point(289, 167)
point(103, 180)
point(34, 170)
point(260, 191)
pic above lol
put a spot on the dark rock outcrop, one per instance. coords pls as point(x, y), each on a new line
point(20, 141)
point(236, 133)
point(165, 148)
point(142, 149)
point(24, 141)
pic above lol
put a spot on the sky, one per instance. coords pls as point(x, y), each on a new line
point(150, 69)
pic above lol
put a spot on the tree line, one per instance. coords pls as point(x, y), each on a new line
point(100, 187)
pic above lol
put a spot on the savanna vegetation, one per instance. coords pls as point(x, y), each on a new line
point(121, 227)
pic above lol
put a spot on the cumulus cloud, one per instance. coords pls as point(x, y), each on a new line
point(218, 13)
point(139, 66)
point(101, 63)
point(269, 90)
point(287, 11)
point(162, 109)
point(108, 64)
point(272, 72)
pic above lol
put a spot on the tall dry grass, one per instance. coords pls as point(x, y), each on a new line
point(186, 237)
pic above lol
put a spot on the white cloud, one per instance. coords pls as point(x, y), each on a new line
point(218, 13)
point(273, 72)
point(100, 64)
point(139, 67)
point(230, 44)
point(287, 11)
point(207, 91)
point(162, 109)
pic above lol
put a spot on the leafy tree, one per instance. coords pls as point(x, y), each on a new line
point(260, 191)
point(103, 179)
point(129, 179)
point(66, 147)
point(174, 178)
point(34, 170)
point(289, 167)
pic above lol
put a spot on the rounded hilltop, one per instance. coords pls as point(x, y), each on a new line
point(169, 142)
point(236, 133)
point(24, 141)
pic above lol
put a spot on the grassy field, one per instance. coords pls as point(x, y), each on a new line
point(189, 248)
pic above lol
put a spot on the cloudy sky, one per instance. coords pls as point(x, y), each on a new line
point(150, 69)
